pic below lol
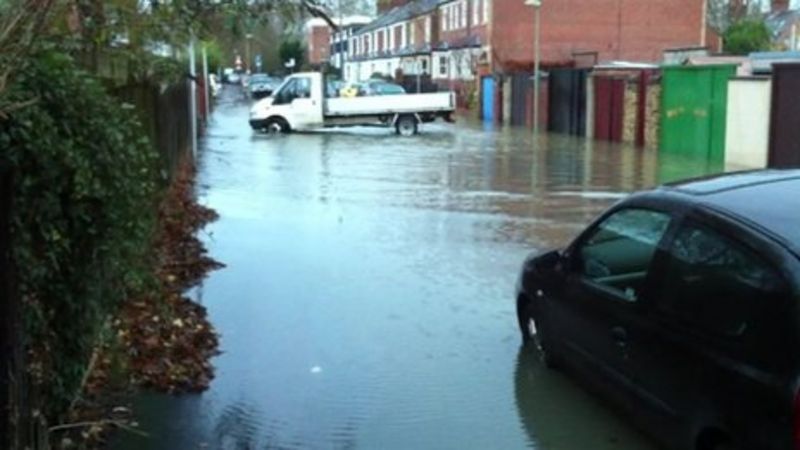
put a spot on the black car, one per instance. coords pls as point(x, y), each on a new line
point(681, 306)
point(262, 85)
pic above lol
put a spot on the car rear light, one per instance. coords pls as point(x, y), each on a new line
point(796, 421)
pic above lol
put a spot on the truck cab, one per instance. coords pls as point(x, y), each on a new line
point(296, 105)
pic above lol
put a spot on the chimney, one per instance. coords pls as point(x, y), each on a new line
point(780, 5)
point(386, 5)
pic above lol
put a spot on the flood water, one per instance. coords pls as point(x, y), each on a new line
point(368, 298)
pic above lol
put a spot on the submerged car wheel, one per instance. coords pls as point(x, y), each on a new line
point(533, 336)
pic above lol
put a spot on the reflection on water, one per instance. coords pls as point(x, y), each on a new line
point(368, 295)
point(557, 415)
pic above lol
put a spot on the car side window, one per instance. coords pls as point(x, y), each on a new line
point(620, 250)
point(287, 93)
point(714, 282)
point(303, 89)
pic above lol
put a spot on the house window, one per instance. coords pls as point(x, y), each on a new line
point(428, 29)
point(444, 19)
point(424, 66)
point(486, 9)
point(443, 65)
point(474, 5)
point(464, 13)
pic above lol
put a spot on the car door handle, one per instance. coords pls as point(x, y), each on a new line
point(619, 335)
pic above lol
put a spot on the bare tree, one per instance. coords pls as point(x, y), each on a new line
point(21, 24)
point(721, 14)
point(350, 7)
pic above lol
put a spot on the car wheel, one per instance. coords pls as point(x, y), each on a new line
point(406, 125)
point(533, 335)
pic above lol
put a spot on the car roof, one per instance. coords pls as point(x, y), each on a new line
point(769, 199)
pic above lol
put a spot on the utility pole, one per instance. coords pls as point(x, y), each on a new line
point(193, 97)
point(537, 5)
point(419, 75)
point(205, 84)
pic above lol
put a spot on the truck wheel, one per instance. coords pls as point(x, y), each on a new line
point(406, 125)
point(276, 126)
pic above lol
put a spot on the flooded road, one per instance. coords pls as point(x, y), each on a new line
point(368, 299)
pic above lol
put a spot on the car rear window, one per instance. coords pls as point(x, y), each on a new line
point(715, 283)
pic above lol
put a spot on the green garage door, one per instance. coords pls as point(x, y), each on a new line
point(693, 108)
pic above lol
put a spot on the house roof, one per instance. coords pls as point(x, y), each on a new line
point(625, 65)
point(346, 21)
point(402, 13)
point(779, 21)
point(465, 42)
point(763, 61)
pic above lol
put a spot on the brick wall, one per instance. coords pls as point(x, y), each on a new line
point(616, 29)
point(319, 44)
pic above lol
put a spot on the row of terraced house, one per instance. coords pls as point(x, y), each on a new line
point(473, 46)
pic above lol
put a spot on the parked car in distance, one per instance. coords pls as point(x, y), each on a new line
point(334, 88)
point(681, 306)
point(263, 85)
point(380, 87)
point(234, 78)
point(226, 73)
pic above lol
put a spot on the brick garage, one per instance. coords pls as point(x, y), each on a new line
point(616, 29)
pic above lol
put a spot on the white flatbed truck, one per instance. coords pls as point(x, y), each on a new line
point(301, 103)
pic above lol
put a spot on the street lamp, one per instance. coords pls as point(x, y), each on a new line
point(537, 5)
point(249, 37)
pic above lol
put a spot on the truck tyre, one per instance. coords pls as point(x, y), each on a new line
point(276, 125)
point(406, 125)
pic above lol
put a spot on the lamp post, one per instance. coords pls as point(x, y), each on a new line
point(338, 42)
point(537, 6)
point(249, 37)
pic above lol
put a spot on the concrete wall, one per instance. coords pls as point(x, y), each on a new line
point(652, 115)
point(747, 134)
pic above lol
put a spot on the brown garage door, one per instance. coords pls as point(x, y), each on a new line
point(784, 143)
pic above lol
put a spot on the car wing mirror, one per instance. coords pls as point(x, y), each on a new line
point(550, 262)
